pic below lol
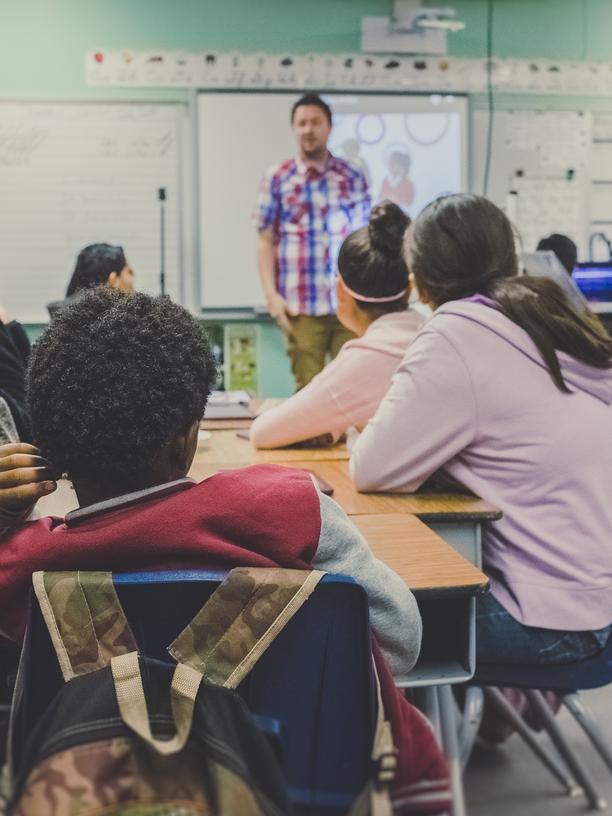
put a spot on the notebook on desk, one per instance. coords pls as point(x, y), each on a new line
point(229, 405)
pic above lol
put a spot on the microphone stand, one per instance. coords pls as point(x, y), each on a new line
point(161, 195)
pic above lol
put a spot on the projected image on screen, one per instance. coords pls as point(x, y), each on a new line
point(408, 158)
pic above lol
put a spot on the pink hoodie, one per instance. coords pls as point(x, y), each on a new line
point(472, 395)
point(347, 392)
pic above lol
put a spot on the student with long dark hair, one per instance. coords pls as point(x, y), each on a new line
point(372, 293)
point(97, 265)
point(508, 389)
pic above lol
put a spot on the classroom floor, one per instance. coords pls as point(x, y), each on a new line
point(509, 781)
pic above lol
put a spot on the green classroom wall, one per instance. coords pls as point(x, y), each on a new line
point(43, 42)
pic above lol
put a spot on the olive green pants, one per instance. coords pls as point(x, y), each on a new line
point(312, 338)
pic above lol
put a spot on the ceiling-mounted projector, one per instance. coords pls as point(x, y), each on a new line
point(412, 29)
point(445, 21)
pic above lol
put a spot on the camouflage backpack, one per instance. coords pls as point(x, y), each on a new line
point(114, 741)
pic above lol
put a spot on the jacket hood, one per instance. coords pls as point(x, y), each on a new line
point(391, 333)
point(578, 376)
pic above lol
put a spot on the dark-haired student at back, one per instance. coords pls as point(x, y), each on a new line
point(14, 353)
point(563, 247)
point(372, 292)
point(117, 386)
point(508, 389)
point(97, 265)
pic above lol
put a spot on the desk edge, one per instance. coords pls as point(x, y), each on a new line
point(467, 590)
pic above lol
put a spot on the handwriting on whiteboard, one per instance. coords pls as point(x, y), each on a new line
point(76, 174)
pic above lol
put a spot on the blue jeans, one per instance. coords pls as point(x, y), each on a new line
point(502, 640)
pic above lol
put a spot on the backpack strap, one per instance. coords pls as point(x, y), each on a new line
point(375, 798)
point(85, 620)
point(240, 620)
point(133, 706)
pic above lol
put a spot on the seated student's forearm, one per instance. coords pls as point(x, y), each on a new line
point(394, 614)
point(309, 413)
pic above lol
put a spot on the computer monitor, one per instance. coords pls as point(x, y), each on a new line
point(545, 264)
point(594, 280)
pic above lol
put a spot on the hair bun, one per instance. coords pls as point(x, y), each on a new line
point(387, 226)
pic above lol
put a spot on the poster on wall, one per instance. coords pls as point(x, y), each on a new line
point(241, 355)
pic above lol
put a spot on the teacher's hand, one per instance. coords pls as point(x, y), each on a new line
point(24, 478)
point(277, 306)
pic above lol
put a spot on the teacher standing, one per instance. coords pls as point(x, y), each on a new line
point(306, 207)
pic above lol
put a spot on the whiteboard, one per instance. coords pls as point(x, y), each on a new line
point(544, 158)
point(241, 135)
point(73, 174)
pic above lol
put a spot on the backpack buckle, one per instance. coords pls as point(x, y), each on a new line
point(386, 764)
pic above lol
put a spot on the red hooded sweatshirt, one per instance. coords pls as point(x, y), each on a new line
point(263, 516)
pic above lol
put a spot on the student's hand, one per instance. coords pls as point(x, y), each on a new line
point(4, 315)
point(277, 306)
point(24, 478)
point(323, 441)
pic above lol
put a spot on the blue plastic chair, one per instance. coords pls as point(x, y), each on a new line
point(566, 680)
point(314, 683)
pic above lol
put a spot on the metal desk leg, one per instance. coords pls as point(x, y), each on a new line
point(450, 745)
point(470, 722)
point(426, 699)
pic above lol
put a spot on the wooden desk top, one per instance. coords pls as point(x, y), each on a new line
point(225, 450)
point(225, 424)
point(429, 565)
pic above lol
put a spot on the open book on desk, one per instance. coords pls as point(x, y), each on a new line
point(229, 405)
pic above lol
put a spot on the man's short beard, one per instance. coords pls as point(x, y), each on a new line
point(315, 153)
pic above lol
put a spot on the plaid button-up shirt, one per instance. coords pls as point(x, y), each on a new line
point(310, 212)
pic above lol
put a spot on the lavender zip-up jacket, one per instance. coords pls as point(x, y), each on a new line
point(472, 395)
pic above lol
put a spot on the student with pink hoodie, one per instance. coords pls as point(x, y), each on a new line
point(372, 291)
point(509, 390)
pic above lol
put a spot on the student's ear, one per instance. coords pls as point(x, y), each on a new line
point(414, 288)
point(187, 444)
point(113, 280)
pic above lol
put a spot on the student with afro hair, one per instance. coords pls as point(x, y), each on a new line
point(116, 389)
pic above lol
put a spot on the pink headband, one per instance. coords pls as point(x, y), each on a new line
point(366, 299)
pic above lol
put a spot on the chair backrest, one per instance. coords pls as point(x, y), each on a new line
point(315, 679)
